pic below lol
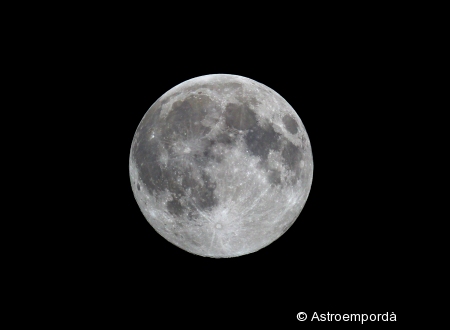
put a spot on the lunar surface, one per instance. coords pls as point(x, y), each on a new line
point(221, 166)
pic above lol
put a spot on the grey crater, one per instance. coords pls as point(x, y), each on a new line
point(221, 166)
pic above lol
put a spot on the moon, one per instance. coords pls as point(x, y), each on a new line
point(221, 166)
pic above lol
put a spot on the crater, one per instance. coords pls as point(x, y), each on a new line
point(290, 124)
point(286, 227)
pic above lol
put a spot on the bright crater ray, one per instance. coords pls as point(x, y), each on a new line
point(221, 166)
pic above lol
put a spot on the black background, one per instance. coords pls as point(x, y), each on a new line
point(81, 79)
point(344, 254)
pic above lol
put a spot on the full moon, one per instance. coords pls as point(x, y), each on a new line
point(221, 166)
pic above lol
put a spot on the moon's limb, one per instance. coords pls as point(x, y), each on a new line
point(221, 165)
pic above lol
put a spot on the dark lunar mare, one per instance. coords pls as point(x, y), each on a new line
point(292, 156)
point(239, 116)
point(261, 138)
point(181, 123)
